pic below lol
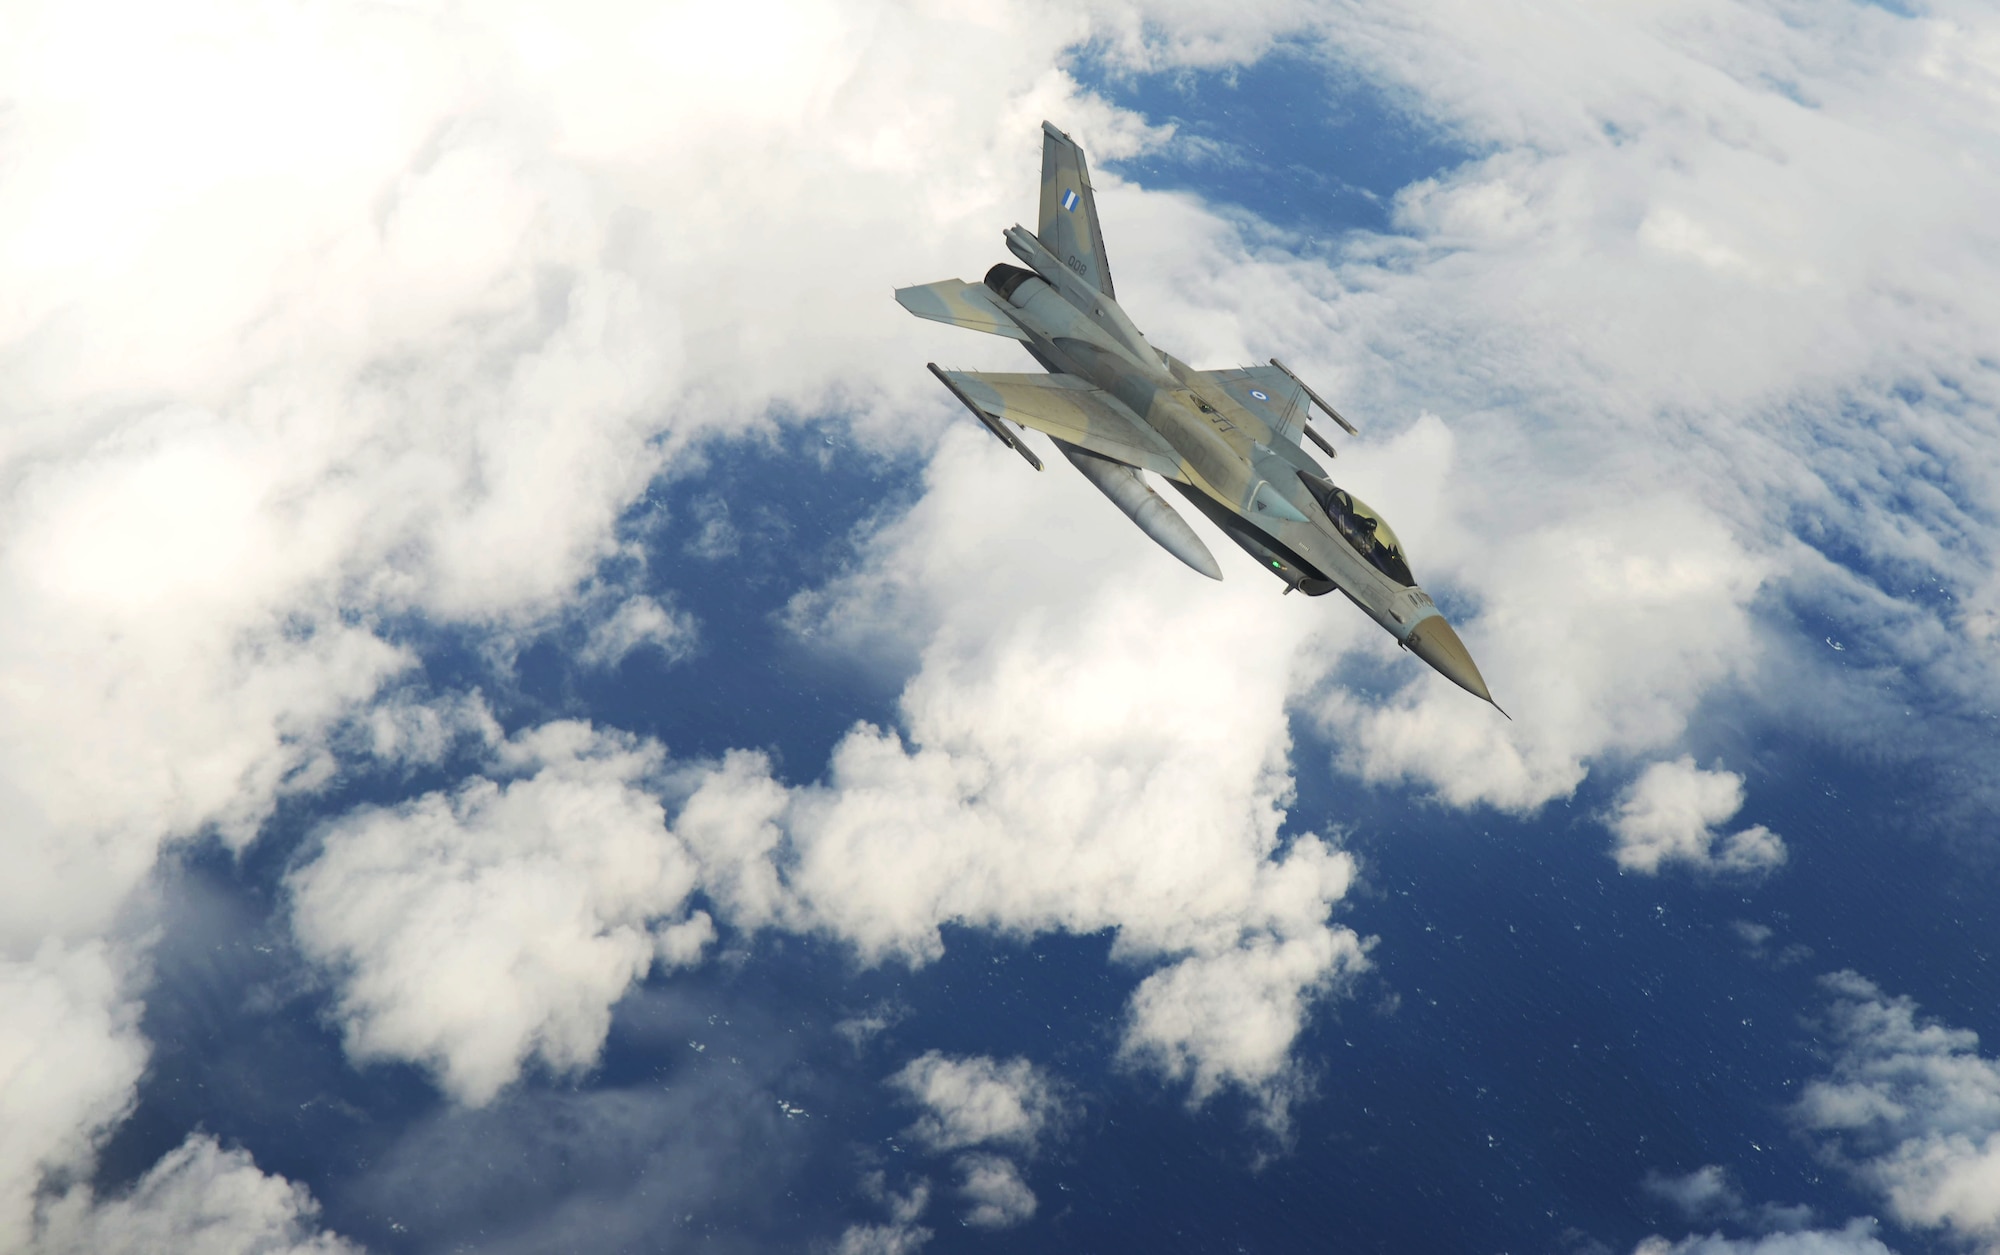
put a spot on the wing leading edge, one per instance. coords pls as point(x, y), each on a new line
point(1069, 409)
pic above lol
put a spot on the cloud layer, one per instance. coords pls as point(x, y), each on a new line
point(70, 1053)
point(1669, 815)
point(1049, 779)
point(1701, 316)
point(1912, 1109)
point(983, 1102)
point(198, 1199)
point(1700, 333)
point(398, 345)
point(475, 930)
point(1856, 1238)
point(978, 1101)
point(998, 1197)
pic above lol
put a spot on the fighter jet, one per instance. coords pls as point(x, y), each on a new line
point(1227, 440)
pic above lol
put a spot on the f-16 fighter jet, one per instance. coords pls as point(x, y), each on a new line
point(1227, 440)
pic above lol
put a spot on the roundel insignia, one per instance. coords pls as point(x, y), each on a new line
point(1261, 396)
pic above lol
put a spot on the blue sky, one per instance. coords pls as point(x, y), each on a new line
point(526, 723)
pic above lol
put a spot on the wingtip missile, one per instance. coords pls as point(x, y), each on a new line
point(986, 420)
point(1317, 399)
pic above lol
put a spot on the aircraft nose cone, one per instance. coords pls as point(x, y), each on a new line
point(1436, 643)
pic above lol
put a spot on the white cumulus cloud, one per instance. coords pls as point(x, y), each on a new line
point(1912, 1109)
point(474, 930)
point(1857, 1237)
point(199, 1199)
point(901, 1235)
point(997, 1196)
point(1087, 747)
point(1670, 813)
point(976, 1101)
point(70, 1053)
point(639, 622)
point(882, 1239)
point(1706, 1191)
point(982, 1102)
point(319, 319)
point(405, 339)
point(1693, 315)
point(1708, 1194)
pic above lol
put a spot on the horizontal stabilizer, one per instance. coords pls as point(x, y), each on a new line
point(960, 304)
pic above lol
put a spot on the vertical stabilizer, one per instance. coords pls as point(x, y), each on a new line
point(1069, 211)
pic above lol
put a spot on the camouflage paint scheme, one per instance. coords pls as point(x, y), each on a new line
point(1228, 440)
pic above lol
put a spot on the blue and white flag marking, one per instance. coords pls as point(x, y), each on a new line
point(1069, 199)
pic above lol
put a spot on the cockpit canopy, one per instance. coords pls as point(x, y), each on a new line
point(1367, 531)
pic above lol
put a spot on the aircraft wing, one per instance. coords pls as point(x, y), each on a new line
point(1069, 211)
point(1070, 410)
point(961, 304)
point(1265, 391)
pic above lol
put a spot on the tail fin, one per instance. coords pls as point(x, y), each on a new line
point(1069, 212)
